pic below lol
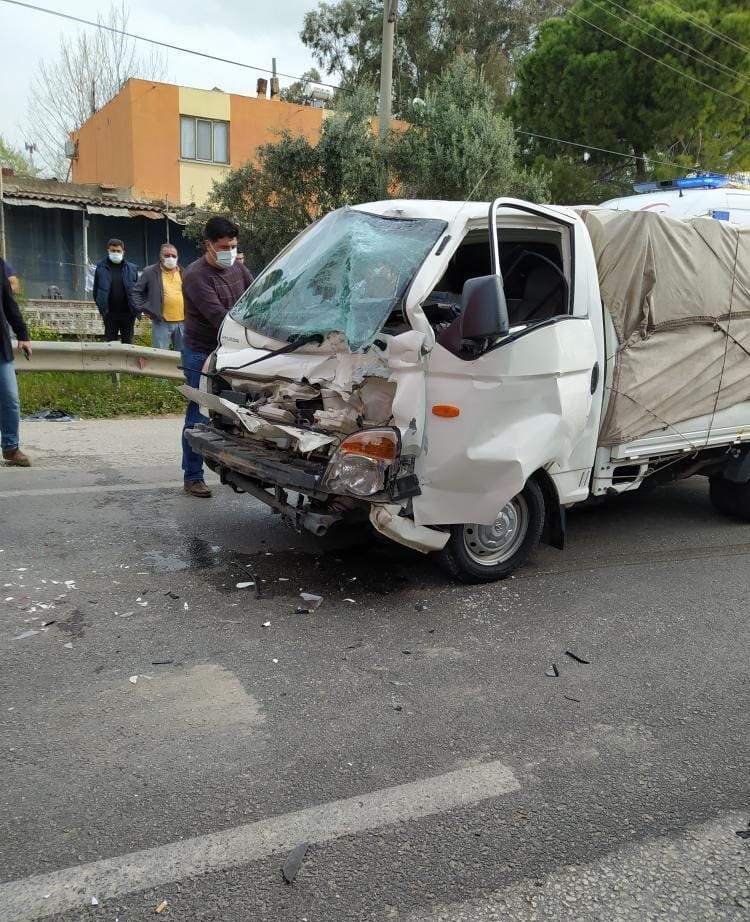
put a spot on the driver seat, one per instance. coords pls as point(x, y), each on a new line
point(542, 296)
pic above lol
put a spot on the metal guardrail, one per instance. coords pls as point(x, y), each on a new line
point(103, 357)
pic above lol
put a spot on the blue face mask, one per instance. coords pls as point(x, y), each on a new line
point(115, 258)
point(225, 258)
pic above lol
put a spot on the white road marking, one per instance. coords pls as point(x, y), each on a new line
point(173, 484)
point(59, 891)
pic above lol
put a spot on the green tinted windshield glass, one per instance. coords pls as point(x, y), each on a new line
point(346, 274)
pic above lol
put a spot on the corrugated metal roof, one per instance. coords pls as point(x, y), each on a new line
point(50, 190)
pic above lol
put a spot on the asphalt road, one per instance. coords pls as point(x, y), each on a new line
point(162, 741)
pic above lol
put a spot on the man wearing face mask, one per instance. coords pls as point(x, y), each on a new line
point(158, 294)
point(113, 292)
point(210, 286)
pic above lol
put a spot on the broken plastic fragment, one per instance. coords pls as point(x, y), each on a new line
point(274, 661)
point(553, 672)
point(24, 634)
point(421, 606)
point(245, 585)
point(133, 679)
point(294, 862)
point(577, 658)
point(743, 833)
point(266, 624)
point(94, 901)
point(571, 698)
point(310, 601)
point(161, 907)
point(350, 600)
point(171, 595)
point(68, 645)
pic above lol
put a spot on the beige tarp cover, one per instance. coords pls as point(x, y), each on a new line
point(679, 296)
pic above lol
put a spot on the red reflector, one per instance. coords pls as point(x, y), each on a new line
point(446, 410)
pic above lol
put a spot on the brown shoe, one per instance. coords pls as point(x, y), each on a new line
point(197, 488)
point(16, 457)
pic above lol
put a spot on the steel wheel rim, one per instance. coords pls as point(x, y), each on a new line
point(489, 545)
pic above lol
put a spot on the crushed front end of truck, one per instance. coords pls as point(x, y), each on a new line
point(316, 393)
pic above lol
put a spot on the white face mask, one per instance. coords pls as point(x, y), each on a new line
point(115, 257)
point(225, 258)
point(170, 262)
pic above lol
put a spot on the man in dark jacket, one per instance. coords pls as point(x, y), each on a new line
point(158, 294)
point(211, 286)
point(11, 322)
point(113, 292)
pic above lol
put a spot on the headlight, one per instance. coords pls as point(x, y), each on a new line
point(360, 464)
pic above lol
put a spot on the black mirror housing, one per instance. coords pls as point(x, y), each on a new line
point(484, 311)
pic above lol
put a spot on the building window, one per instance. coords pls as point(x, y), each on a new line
point(204, 139)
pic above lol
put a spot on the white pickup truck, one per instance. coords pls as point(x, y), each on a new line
point(460, 374)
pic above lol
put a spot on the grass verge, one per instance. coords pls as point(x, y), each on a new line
point(97, 396)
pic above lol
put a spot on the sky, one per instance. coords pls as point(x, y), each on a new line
point(253, 32)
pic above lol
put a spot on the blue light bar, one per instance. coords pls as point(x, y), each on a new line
point(698, 181)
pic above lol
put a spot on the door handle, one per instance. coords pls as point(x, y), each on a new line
point(594, 377)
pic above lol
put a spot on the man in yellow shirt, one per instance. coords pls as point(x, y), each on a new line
point(158, 293)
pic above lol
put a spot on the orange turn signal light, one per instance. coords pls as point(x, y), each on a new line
point(380, 445)
point(446, 410)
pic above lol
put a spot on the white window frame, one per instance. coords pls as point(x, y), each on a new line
point(213, 123)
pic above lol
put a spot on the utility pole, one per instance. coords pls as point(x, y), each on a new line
point(386, 66)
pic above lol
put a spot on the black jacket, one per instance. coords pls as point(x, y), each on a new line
point(11, 320)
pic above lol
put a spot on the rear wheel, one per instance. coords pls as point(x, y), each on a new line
point(485, 553)
point(729, 498)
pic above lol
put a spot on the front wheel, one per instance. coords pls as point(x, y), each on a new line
point(485, 553)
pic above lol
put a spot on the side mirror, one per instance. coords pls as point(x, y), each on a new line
point(484, 311)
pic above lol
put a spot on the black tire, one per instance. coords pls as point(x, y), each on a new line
point(463, 553)
point(732, 499)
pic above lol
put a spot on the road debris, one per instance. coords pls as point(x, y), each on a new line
point(24, 634)
point(161, 907)
point(743, 833)
point(350, 600)
point(171, 595)
point(553, 672)
point(310, 603)
point(571, 698)
point(420, 606)
point(294, 862)
point(185, 606)
point(133, 679)
point(162, 662)
point(245, 585)
point(94, 901)
point(577, 658)
point(275, 661)
point(266, 624)
point(68, 645)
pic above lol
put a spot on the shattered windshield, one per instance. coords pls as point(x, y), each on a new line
point(346, 274)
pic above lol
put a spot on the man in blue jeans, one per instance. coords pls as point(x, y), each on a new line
point(210, 287)
point(11, 322)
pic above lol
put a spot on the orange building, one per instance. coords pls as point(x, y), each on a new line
point(171, 142)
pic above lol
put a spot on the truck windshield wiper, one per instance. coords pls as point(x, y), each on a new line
point(290, 347)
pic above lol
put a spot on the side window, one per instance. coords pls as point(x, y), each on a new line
point(533, 278)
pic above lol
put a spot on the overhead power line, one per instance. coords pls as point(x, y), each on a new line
point(601, 150)
point(700, 25)
point(153, 41)
point(699, 56)
point(645, 54)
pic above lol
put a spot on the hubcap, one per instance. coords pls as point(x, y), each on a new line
point(492, 544)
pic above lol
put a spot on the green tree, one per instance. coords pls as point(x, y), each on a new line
point(345, 39)
point(457, 146)
point(645, 78)
point(15, 159)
